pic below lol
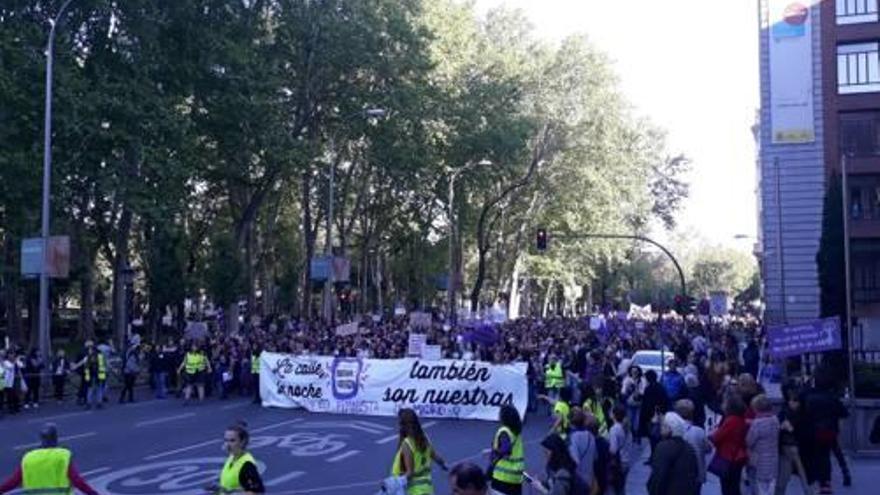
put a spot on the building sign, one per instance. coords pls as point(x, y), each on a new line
point(791, 71)
point(815, 336)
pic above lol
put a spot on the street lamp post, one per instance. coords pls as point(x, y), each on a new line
point(453, 225)
point(328, 248)
point(44, 320)
point(850, 335)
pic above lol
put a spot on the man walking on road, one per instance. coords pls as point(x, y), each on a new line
point(47, 469)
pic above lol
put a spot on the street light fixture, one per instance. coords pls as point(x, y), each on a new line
point(44, 320)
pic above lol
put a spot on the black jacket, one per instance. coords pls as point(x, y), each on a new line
point(674, 469)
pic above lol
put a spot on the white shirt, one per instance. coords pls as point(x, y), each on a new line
point(9, 376)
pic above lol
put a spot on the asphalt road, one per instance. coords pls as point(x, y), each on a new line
point(163, 448)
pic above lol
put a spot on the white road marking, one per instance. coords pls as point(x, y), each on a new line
point(62, 439)
point(95, 471)
point(373, 483)
point(182, 449)
point(281, 479)
point(374, 425)
point(236, 406)
point(394, 437)
point(331, 424)
point(344, 455)
point(276, 425)
point(214, 441)
point(165, 419)
point(59, 416)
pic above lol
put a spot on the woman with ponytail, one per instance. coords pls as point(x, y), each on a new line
point(240, 473)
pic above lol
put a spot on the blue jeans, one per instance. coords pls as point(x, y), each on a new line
point(96, 393)
point(160, 380)
point(632, 413)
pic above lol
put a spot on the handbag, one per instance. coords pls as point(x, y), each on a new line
point(720, 466)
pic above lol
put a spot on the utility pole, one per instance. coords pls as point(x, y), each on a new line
point(45, 320)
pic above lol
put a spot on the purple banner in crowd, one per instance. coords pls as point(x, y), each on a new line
point(815, 336)
point(482, 334)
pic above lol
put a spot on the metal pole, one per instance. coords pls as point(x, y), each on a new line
point(450, 284)
point(681, 278)
point(45, 341)
point(780, 258)
point(848, 282)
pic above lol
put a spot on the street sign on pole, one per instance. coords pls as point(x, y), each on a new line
point(57, 258)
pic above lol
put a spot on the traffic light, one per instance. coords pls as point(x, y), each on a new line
point(691, 305)
point(541, 239)
point(685, 305)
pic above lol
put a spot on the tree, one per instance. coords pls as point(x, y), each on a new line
point(714, 268)
point(830, 257)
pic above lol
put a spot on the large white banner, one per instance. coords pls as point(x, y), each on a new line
point(381, 387)
point(791, 71)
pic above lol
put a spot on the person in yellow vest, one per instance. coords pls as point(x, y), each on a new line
point(240, 473)
point(94, 366)
point(255, 374)
point(47, 469)
point(554, 377)
point(561, 412)
point(414, 455)
point(508, 457)
point(594, 403)
point(195, 368)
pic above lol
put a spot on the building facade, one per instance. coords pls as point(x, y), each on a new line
point(820, 100)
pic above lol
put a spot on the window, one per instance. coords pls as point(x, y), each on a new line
point(855, 203)
point(858, 68)
point(860, 133)
point(856, 11)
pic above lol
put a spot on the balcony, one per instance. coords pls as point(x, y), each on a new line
point(856, 11)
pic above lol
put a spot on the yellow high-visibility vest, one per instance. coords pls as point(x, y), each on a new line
point(44, 471)
point(509, 469)
point(195, 363)
point(102, 369)
point(229, 476)
point(420, 483)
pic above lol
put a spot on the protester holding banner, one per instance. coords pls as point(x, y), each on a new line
point(414, 455)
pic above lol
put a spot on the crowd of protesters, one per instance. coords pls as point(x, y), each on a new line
point(604, 406)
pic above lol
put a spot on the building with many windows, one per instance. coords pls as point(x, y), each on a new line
point(820, 100)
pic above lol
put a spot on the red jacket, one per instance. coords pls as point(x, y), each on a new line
point(730, 439)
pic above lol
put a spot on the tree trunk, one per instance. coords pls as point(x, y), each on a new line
point(514, 297)
point(11, 291)
point(308, 245)
point(547, 299)
point(232, 318)
point(120, 263)
point(249, 276)
point(86, 329)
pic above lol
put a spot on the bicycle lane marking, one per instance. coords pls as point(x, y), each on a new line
point(391, 438)
point(216, 441)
